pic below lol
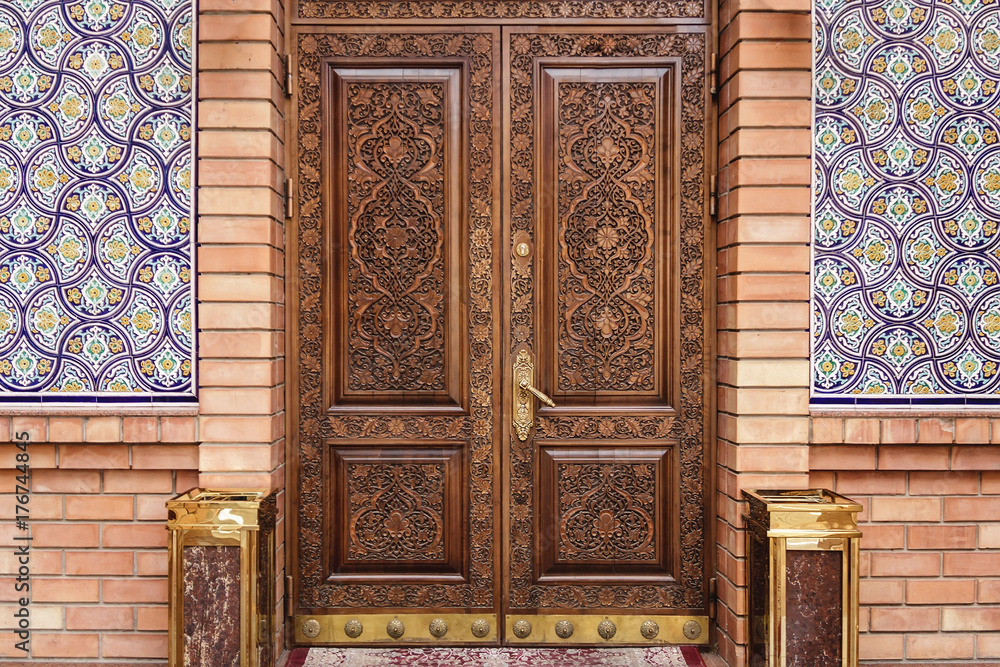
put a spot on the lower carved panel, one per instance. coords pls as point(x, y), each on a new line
point(602, 507)
point(397, 510)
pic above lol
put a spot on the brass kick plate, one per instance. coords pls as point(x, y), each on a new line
point(552, 629)
point(376, 628)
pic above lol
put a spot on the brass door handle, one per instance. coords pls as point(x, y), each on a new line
point(523, 414)
point(524, 384)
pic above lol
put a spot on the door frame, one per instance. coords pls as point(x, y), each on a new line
point(708, 335)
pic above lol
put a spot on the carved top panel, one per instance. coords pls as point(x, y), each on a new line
point(501, 9)
point(606, 272)
point(395, 234)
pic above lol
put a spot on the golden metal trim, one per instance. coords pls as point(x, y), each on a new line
point(628, 629)
point(461, 628)
point(523, 414)
point(203, 517)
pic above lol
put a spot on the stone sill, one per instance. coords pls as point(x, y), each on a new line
point(97, 410)
point(898, 412)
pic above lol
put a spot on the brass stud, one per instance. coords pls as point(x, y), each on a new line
point(438, 628)
point(606, 629)
point(564, 629)
point(522, 628)
point(480, 628)
point(353, 628)
point(692, 629)
point(649, 629)
point(395, 628)
point(310, 629)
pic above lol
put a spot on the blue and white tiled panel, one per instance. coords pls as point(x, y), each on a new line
point(96, 224)
point(906, 254)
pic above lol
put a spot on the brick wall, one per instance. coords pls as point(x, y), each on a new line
point(241, 157)
point(101, 478)
point(930, 565)
point(763, 268)
point(98, 558)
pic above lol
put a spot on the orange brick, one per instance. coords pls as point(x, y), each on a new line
point(138, 481)
point(186, 480)
point(914, 457)
point(152, 618)
point(135, 645)
point(63, 645)
point(914, 619)
point(975, 458)
point(970, 620)
point(223, 172)
point(66, 429)
point(943, 591)
point(881, 646)
point(65, 535)
point(867, 482)
point(883, 536)
point(135, 590)
point(941, 537)
point(39, 456)
point(140, 429)
point(100, 562)
point(165, 457)
point(103, 429)
point(989, 592)
point(939, 647)
point(846, 457)
point(93, 457)
point(971, 509)
point(111, 508)
point(991, 482)
point(905, 509)
point(135, 535)
point(251, 344)
point(861, 431)
point(988, 646)
point(989, 536)
point(943, 483)
point(151, 508)
point(65, 590)
point(973, 431)
point(875, 591)
point(42, 562)
point(899, 431)
point(908, 564)
point(935, 430)
point(65, 481)
point(99, 618)
point(240, 429)
point(151, 564)
point(971, 564)
point(236, 27)
point(178, 429)
point(35, 427)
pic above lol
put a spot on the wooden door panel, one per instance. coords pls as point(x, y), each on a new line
point(603, 512)
point(606, 214)
point(399, 232)
point(395, 290)
point(606, 232)
point(397, 511)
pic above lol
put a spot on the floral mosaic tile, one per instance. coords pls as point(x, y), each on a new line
point(906, 254)
point(96, 236)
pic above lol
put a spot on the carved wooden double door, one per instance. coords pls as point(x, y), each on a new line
point(486, 219)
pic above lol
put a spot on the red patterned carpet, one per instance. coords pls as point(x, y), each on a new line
point(665, 656)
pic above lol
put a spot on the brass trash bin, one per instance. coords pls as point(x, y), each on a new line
point(221, 578)
point(802, 575)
